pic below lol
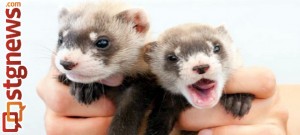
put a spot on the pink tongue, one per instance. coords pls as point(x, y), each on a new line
point(113, 80)
point(205, 84)
point(203, 93)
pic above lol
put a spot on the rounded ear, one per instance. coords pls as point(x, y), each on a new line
point(222, 29)
point(148, 48)
point(136, 16)
point(63, 12)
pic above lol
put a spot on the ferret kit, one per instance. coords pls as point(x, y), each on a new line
point(192, 63)
point(106, 42)
point(102, 43)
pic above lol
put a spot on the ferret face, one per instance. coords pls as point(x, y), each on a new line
point(193, 60)
point(95, 44)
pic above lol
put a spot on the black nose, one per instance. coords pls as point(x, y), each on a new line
point(67, 65)
point(201, 69)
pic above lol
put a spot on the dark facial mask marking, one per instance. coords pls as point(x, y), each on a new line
point(171, 65)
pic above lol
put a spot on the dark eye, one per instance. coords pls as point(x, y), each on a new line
point(217, 48)
point(60, 39)
point(102, 43)
point(172, 57)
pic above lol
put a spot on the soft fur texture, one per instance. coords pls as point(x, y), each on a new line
point(108, 19)
point(81, 27)
point(175, 57)
point(84, 62)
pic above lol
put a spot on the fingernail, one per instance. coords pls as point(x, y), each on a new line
point(205, 132)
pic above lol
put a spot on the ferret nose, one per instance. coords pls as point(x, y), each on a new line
point(201, 69)
point(67, 64)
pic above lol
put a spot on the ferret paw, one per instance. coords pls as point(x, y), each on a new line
point(237, 104)
point(86, 93)
point(63, 79)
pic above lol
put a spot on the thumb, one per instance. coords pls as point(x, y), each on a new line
point(206, 132)
point(243, 130)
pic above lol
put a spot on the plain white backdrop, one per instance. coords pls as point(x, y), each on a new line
point(266, 32)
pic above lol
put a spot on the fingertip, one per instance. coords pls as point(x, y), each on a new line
point(267, 82)
point(206, 132)
point(259, 81)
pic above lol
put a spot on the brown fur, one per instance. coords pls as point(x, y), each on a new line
point(185, 43)
point(100, 17)
point(127, 30)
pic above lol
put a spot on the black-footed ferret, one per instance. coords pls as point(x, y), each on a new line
point(103, 43)
point(192, 63)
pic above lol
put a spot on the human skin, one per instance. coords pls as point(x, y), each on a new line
point(266, 112)
point(290, 94)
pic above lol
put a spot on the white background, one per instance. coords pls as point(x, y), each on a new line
point(267, 33)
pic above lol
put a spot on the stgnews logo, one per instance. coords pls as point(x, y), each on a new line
point(15, 72)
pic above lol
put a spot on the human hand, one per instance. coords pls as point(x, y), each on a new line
point(64, 115)
point(266, 112)
point(266, 117)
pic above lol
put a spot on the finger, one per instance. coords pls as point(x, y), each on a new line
point(58, 98)
point(267, 129)
point(255, 80)
point(269, 110)
point(290, 97)
point(57, 125)
point(193, 119)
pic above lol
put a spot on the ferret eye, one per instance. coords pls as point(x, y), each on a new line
point(102, 43)
point(217, 48)
point(172, 57)
point(60, 39)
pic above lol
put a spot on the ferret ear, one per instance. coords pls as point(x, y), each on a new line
point(222, 29)
point(63, 12)
point(138, 17)
point(148, 48)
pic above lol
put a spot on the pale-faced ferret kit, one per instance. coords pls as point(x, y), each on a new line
point(192, 63)
point(104, 42)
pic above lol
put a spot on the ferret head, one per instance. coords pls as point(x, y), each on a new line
point(193, 60)
point(98, 41)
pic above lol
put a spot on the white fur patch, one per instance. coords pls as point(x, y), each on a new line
point(93, 36)
point(67, 55)
point(188, 76)
point(177, 50)
point(187, 73)
point(87, 69)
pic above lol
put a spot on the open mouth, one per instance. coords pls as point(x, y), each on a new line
point(203, 93)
